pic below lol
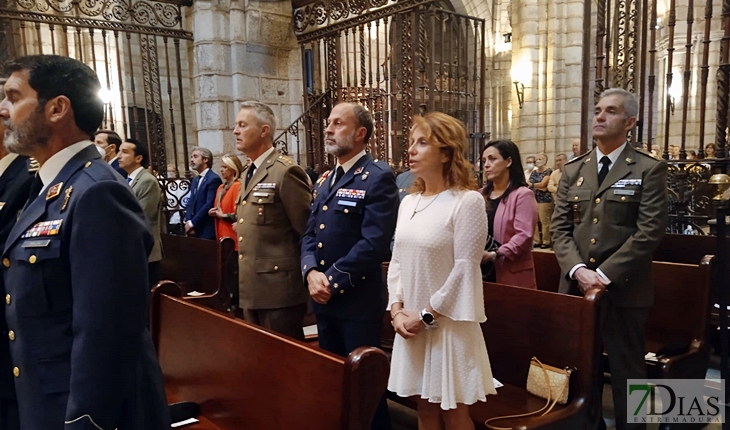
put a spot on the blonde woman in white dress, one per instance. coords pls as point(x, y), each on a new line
point(435, 283)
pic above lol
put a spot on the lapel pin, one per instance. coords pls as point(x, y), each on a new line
point(580, 181)
point(629, 160)
point(364, 175)
point(587, 159)
point(66, 198)
point(54, 191)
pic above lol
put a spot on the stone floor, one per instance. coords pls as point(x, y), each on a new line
point(407, 419)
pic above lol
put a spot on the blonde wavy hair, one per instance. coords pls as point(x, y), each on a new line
point(233, 163)
point(448, 134)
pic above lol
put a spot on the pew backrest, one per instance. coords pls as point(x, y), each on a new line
point(205, 266)
point(245, 377)
point(560, 330)
point(681, 309)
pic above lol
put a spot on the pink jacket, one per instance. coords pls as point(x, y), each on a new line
point(514, 225)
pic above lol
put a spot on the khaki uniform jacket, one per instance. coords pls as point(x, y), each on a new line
point(614, 227)
point(272, 214)
point(149, 194)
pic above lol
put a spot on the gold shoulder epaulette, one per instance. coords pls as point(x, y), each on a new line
point(285, 160)
point(33, 166)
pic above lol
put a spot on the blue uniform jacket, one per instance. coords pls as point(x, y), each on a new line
point(76, 306)
point(202, 199)
point(348, 238)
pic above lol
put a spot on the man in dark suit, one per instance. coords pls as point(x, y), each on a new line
point(610, 215)
point(202, 195)
point(347, 239)
point(75, 307)
point(16, 175)
point(110, 142)
point(134, 159)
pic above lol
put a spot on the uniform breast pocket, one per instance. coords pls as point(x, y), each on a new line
point(263, 202)
point(36, 266)
point(623, 205)
point(579, 203)
point(350, 212)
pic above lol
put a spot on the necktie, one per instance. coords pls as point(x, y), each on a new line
point(249, 173)
point(605, 162)
point(35, 189)
point(129, 180)
point(338, 175)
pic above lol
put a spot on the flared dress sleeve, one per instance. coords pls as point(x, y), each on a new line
point(461, 297)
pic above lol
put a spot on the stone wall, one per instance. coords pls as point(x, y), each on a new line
point(243, 50)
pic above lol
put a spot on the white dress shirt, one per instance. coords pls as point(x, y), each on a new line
point(53, 166)
point(259, 161)
point(348, 164)
point(134, 174)
point(6, 161)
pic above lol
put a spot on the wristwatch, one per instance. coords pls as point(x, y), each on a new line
point(428, 319)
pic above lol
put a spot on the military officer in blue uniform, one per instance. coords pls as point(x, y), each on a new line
point(75, 264)
point(16, 176)
point(348, 238)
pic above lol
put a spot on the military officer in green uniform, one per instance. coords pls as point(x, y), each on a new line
point(610, 215)
point(272, 213)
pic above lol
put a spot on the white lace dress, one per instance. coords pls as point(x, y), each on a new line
point(436, 260)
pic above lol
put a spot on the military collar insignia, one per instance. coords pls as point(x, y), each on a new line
point(323, 177)
point(629, 160)
point(580, 181)
point(54, 191)
point(364, 175)
point(359, 170)
point(44, 228)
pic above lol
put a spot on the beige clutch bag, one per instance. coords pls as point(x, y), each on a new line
point(546, 382)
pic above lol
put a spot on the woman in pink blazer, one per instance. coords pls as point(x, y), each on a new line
point(512, 215)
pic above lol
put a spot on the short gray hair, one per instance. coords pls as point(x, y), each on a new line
point(264, 115)
point(631, 103)
point(205, 153)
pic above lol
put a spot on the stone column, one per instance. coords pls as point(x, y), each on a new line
point(244, 50)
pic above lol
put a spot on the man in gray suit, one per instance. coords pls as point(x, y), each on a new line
point(610, 214)
point(134, 159)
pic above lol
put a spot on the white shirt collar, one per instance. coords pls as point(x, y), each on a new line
point(351, 162)
point(134, 174)
point(112, 160)
point(259, 161)
point(613, 156)
point(202, 174)
point(6, 161)
point(52, 167)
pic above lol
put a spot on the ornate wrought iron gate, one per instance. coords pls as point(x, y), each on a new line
point(135, 48)
point(680, 80)
point(398, 59)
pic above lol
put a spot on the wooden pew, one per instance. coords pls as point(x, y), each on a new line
point(560, 330)
point(245, 377)
point(679, 319)
point(206, 266)
point(687, 249)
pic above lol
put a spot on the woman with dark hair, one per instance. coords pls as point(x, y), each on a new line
point(511, 213)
